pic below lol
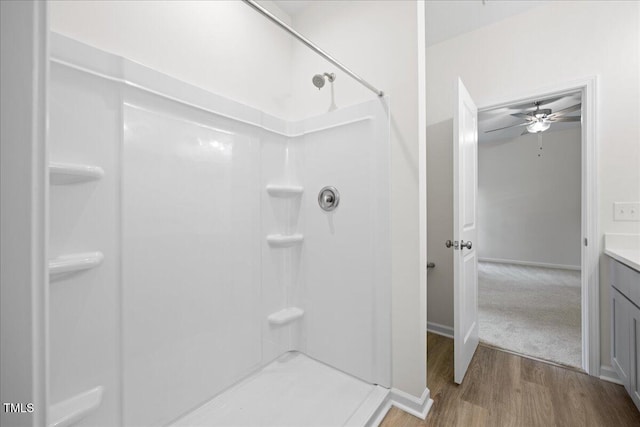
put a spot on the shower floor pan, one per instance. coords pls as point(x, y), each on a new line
point(294, 390)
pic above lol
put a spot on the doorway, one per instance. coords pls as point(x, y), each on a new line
point(589, 304)
point(529, 228)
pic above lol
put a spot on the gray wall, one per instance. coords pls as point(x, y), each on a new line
point(529, 199)
point(440, 222)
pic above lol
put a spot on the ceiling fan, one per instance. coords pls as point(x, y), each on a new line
point(540, 120)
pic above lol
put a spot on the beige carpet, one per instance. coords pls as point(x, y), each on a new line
point(531, 310)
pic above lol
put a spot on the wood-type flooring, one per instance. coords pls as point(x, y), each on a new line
point(503, 389)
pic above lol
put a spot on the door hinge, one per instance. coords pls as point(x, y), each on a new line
point(586, 242)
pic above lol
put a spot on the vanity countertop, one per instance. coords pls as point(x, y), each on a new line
point(624, 248)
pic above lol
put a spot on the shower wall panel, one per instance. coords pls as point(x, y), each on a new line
point(281, 267)
point(191, 256)
point(346, 251)
point(84, 318)
point(198, 195)
point(174, 314)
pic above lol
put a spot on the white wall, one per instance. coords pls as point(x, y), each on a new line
point(529, 199)
point(222, 46)
point(589, 38)
point(23, 181)
point(378, 40)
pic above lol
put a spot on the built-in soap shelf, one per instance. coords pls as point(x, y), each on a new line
point(284, 190)
point(75, 262)
point(70, 173)
point(284, 241)
point(70, 411)
point(285, 316)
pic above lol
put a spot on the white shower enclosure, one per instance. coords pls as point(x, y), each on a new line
point(190, 256)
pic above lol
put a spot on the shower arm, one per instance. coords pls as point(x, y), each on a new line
point(312, 46)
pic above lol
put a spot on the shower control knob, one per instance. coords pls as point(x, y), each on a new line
point(328, 198)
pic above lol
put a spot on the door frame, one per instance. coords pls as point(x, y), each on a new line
point(590, 253)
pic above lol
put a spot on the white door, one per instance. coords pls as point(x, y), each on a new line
point(465, 261)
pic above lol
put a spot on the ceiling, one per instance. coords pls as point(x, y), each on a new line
point(446, 19)
point(501, 117)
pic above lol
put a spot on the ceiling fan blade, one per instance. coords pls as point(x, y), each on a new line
point(531, 105)
point(565, 119)
point(507, 127)
point(522, 116)
point(566, 111)
point(550, 100)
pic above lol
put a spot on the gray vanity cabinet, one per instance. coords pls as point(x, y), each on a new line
point(620, 349)
point(634, 385)
point(625, 326)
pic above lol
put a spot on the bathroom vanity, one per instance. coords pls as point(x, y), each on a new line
point(624, 280)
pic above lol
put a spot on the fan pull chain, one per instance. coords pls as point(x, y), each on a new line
point(540, 144)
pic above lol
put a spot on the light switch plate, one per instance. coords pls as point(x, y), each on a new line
point(626, 211)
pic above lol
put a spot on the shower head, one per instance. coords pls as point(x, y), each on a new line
point(319, 79)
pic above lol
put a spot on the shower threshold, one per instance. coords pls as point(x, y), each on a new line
point(294, 390)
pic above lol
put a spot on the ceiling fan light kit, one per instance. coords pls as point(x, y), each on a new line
point(540, 120)
point(538, 126)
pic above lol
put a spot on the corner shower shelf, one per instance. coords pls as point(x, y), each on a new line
point(68, 173)
point(282, 241)
point(70, 411)
point(75, 262)
point(285, 316)
point(284, 190)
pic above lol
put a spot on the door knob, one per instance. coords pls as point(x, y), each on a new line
point(464, 244)
point(449, 244)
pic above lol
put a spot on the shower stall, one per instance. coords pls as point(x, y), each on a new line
point(212, 263)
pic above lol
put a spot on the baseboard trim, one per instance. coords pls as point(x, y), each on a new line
point(416, 406)
point(438, 329)
point(607, 373)
point(531, 264)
